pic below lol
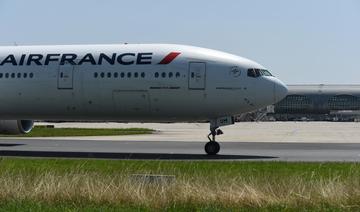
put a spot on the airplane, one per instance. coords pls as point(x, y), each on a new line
point(130, 83)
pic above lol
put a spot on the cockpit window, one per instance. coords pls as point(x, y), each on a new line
point(251, 72)
point(265, 72)
point(255, 72)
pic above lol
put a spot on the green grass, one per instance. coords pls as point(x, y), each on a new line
point(99, 185)
point(40, 131)
point(70, 206)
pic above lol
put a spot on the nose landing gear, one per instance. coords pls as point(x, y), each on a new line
point(212, 147)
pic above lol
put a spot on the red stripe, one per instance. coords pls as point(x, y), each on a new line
point(169, 58)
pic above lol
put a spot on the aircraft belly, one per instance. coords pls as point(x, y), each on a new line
point(119, 104)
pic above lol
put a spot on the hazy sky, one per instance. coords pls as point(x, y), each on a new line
point(301, 41)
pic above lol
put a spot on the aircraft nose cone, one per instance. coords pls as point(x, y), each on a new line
point(280, 91)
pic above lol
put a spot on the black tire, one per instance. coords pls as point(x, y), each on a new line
point(212, 148)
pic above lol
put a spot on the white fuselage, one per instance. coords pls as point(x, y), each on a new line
point(142, 82)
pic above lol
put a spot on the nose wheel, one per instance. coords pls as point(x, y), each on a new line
point(212, 147)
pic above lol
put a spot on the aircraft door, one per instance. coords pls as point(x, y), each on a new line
point(65, 76)
point(197, 75)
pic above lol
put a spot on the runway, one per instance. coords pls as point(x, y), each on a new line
point(178, 150)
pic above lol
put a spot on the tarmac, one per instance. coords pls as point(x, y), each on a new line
point(279, 132)
point(280, 141)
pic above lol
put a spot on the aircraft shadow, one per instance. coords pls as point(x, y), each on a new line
point(130, 156)
point(9, 145)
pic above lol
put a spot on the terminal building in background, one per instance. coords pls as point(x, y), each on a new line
point(313, 103)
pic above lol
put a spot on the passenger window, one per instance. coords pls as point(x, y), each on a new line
point(31, 75)
point(136, 75)
point(102, 74)
point(156, 75)
point(116, 75)
point(96, 75)
point(142, 75)
point(177, 74)
point(7, 75)
point(122, 75)
point(1, 75)
point(18, 75)
point(170, 75)
point(129, 74)
point(109, 75)
point(12, 75)
point(25, 75)
point(163, 75)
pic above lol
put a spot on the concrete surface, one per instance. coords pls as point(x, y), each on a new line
point(284, 141)
point(312, 132)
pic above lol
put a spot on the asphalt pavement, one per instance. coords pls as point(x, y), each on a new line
point(179, 150)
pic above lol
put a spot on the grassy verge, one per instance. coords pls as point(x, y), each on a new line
point(40, 131)
point(58, 185)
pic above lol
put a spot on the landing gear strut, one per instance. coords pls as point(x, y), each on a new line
point(212, 147)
